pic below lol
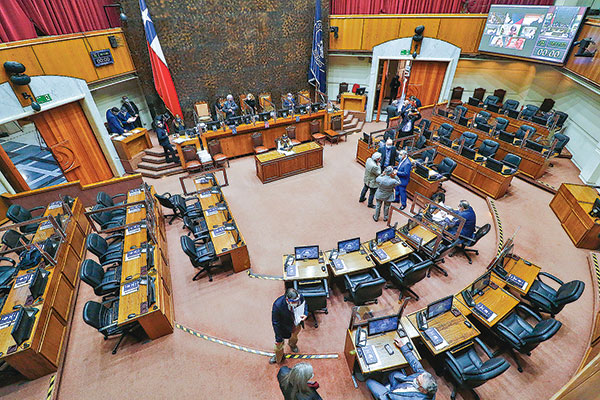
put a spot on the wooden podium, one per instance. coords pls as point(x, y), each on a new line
point(353, 102)
point(571, 204)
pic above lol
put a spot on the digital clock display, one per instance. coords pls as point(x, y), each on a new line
point(102, 57)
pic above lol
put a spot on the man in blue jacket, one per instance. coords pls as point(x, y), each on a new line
point(388, 153)
point(114, 124)
point(420, 385)
point(466, 211)
point(285, 324)
point(163, 140)
point(404, 168)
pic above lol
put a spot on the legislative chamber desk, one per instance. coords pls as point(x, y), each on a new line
point(533, 163)
point(240, 143)
point(130, 145)
point(572, 204)
point(274, 165)
point(156, 319)
point(42, 352)
point(513, 123)
point(353, 102)
point(424, 186)
point(306, 269)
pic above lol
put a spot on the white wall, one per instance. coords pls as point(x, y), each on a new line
point(349, 69)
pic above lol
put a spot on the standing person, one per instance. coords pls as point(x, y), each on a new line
point(394, 86)
point(132, 110)
point(389, 154)
point(391, 111)
point(289, 102)
point(285, 324)
point(163, 140)
point(178, 124)
point(421, 385)
point(387, 181)
point(404, 168)
point(114, 123)
point(372, 171)
point(295, 383)
point(409, 117)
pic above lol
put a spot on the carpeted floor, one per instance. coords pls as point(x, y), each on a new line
point(319, 207)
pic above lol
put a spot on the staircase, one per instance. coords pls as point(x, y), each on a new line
point(153, 164)
point(353, 121)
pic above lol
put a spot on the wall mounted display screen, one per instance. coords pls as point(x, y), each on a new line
point(543, 33)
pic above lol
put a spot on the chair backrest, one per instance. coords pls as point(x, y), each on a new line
point(510, 104)
point(500, 93)
point(92, 314)
point(469, 138)
point(188, 247)
point(541, 332)
point(189, 153)
point(460, 111)
point(561, 118)
point(18, 214)
point(512, 160)
point(291, 131)
point(96, 244)
point(569, 292)
point(343, 87)
point(481, 232)
point(485, 115)
point(561, 141)
point(266, 106)
point(164, 200)
point(529, 110)
point(336, 123)
point(417, 272)
point(488, 148)
point(201, 109)
point(101, 218)
point(104, 199)
point(457, 93)
point(501, 123)
point(11, 238)
point(257, 139)
point(479, 93)
point(315, 126)
point(445, 130)
point(368, 291)
point(91, 273)
point(447, 166)
point(428, 154)
point(493, 100)
point(420, 142)
point(546, 105)
point(214, 147)
point(525, 131)
point(424, 124)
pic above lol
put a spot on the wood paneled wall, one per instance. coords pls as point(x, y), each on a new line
point(362, 32)
point(426, 80)
point(68, 55)
point(588, 67)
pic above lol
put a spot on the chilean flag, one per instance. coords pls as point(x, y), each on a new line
point(160, 70)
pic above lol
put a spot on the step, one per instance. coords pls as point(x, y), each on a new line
point(348, 118)
point(351, 124)
point(346, 112)
point(357, 128)
point(155, 167)
point(160, 174)
point(155, 151)
point(153, 159)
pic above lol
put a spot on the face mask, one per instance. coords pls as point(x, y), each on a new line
point(388, 146)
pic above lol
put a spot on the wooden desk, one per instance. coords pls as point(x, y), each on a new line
point(42, 353)
point(273, 165)
point(306, 269)
point(513, 123)
point(499, 301)
point(395, 251)
point(418, 184)
point(363, 151)
point(334, 136)
point(571, 204)
point(452, 329)
point(533, 163)
point(423, 233)
point(353, 102)
point(354, 262)
point(129, 148)
point(520, 269)
point(183, 141)
point(241, 143)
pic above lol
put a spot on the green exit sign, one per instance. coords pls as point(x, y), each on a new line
point(404, 52)
point(45, 98)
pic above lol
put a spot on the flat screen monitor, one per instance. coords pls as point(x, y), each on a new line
point(264, 116)
point(464, 121)
point(284, 113)
point(512, 113)
point(543, 33)
point(494, 165)
point(21, 330)
point(483, 127)
point(539, 120)
point(38, 282)
point(506, 136)
point(439, 307)
point(492, 108)
point(422, 171)
point(234, 121)
point(442, 112)
point(480, 284)
point(377, 326)
point(445, 141)
point(473, 101)
point(213, 125)
point(306, 252)
point(530, 144)
point(385, 235)
point(314, 107)
point(361, 91)
point(467, 152)
point(302, 109)
point(247, 119)
point(349, 245)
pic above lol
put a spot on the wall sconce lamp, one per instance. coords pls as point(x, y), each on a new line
point(122, 15)
point(34, 104)
point(416, 40)
point(335, 30)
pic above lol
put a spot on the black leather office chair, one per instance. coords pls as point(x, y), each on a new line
point(519, 335)
point(8, 272)
point(470, 242)
point(468, 138)
point(408, 271)
point(105, 200)
point(546, 105)
point(513, 161)
point(420, 143)
point(509, 104)
point(545, 298)
point(488, 148)
point(428, 154)
point(197, 227)
point(201, 255)
point(364, 287)
point(445, 130)
point(525, 132)
point(561, 118)
point(104, 282)
point(424, 125)
point(483, 116)
point(458, 113)
point(104, 316)
point(107, 219)
point(561, 142)
point(445, 167)
point(491, 99)
point(18, 214)
point(501, 124)
point(469, 371)
point(315, 293)
point(107, 250)
point(529, 111)
point(12, 239)
point(165, 201)
point(437, 257)
point(193, 210)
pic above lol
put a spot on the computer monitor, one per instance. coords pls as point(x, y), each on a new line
point(464, 121)
point(284, 113)
point(530, 144)
point(314, 107)
point(302, 109)
point(38, 282)
point(439, 307)
point(494, 165)
point(483, 127)
point(442, 112)
point(493, 108)
point(213, 125)
point(480, 284)
point(264, 116)
point(247, 119)
point(377, 326)
point(361, 91)
point(473, 101)
point(539, 120)
point(422, 171)
point(385, 235)
point(349, 245)
point(506, 136)
point(234, 121)
point(306, 252)
point(445, 141)
point(595, 211)
point(513, 113)
point(468, 152)
point(21, 330)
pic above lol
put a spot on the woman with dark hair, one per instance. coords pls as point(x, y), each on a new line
point(295, 383)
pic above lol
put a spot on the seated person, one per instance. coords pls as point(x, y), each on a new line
point(284, 143)
point(229, 107)
point(289, 102)
point(466, 211)
point(296, 384)
point(420, 385)
point(251, 102)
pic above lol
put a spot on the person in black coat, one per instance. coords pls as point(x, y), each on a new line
point(133, 110)
point(394, 86)
point(295, 383)
point(409, 117)
point(163, 140)
point(285, 325)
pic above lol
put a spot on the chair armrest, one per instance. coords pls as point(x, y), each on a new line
point(418, 257)
point(348, 282)
point(486, 349)
point(118, 195)
point(191, 198)
point(113, 265)
point(555, 279)
point(10, 260)
point(394, 270)
point(115, 237)
point(326, 286)
point(529, 312)
point(455, 365)
point(109, 301)
point(375, 273)
point(102, 285)
point(37, 208)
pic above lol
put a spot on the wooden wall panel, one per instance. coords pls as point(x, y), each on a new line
point(426, 79)
point(462, 32)
point(70, 138)
point(588, 67)
point(350, 34)
point(123, 62)
point(408, 25)
point(25, 56)
point(379, 30)
point(68, 58)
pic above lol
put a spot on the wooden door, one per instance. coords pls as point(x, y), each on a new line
point(426, 80)
point(67, 132)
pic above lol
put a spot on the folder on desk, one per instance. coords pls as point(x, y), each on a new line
point(133, 254)
point(211, 211)
point(45, 225)
point(133, 229)
point(8, 319)
point(135, 192)
point(290, 270)
point(23, 280)
point(134, 209)
point(54, 204)
point(369, 354)
point(516, 281)
point(205, 194)
point(485, 312)
point(381, 254)
point(219, 231)
point(201, 180)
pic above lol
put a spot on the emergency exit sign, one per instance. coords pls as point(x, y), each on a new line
point(45, 98)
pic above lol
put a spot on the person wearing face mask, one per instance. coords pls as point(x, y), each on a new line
point(389, 154)
point(114, 123)
point(386, 182)
point(163, 140)
point(133, 110)
point(421, 385)
point(126, 119)
point(288, 312)
point(404, 168)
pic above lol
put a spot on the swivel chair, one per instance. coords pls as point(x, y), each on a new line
point(529, 111)
point(468, 138)
point(201, 256)
point(501, 124)
point(105, 282)
point(408, 271)
point(18, 214)
point(165, 201)
point(105, 200)
point(104, 316)
point(364, 287)
point(428, 155)
point(107, 219)
point(546, 105)
point(445, 130)
point(544, 298)
point(315, 293)
point(509, 104)
point(456, 96)
point(513, 161)
point(479, 93)
point(561, 142)
point(193, 210)
point(444, 248)
point(7, 274)
point(561, 118)
point(491, 100)
point(445, 167)
point(488, 148)
point(481, 121)
point(420, 143)
point(525, 132)
point(459, 113)
point(469, 371)
point(12, 239)
point(470, 242)
point(424, 125)
point(197, 227)
point(519, 335)
point(500, 93)
point(219, 158)
point(107, 250)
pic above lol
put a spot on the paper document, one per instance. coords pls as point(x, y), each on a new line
point(299, 312)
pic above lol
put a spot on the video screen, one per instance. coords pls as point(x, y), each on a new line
point(307, 252)
point(382, 325)
point(439, 307)
point(349, 246)
point(539, 32)
point(385, 235)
